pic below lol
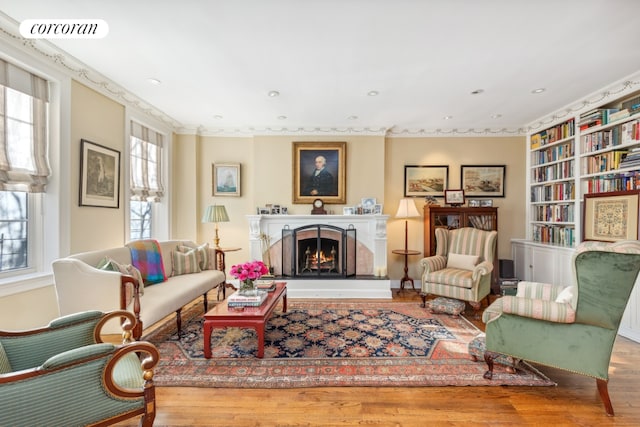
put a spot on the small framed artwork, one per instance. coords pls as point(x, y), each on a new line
point(610, 217)
point(483, 181)
point(368, 203)
point(264, 211)
point(348, 210)
point(99, 176)
point(377, 209)
point(454, 197)
point(319, 171)
point(474, 203)
point(486, 203)
point(226, 179)
point(284, 210)
point(423, 181)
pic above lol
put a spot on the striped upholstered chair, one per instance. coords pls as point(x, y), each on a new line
point(462, 267)
point(570, 326)
point(64, 375)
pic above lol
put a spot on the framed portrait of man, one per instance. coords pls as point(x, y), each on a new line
point(319, 172)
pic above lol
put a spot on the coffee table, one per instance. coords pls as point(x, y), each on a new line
point(221, 316)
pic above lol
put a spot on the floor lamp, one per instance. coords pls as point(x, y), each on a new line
point(407, 209)
point(216, 214)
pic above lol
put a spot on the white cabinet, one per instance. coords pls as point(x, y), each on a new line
point(630, 326)
point(535, 262)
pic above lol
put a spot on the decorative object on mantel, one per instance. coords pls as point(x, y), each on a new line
point(454, 198)
point(318, 207)
point(216, 214)
point(247, 274)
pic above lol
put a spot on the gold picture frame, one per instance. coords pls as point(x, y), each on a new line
point(226, 179)
point(327, 180)
point(610, 217)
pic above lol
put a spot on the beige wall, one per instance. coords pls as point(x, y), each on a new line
point(96, 118)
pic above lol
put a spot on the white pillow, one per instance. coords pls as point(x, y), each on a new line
point(566, 295)
point(462, 262)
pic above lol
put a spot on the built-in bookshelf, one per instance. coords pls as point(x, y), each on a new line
point(595, 151)
point(552, 184)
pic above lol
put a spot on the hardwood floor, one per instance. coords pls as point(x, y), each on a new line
point(574, 402)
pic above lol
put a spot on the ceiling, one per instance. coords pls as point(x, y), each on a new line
point(217, 61)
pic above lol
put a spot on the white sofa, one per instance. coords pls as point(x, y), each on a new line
point(81, 286)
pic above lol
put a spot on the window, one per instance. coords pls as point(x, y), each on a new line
point(146, 189)
point(24, 164)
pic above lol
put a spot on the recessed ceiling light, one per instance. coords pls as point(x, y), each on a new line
point(373, 93)
point(496, 116)
point(282, 117)
point(352, 118)
point(448, 117)
point(539, 90)
point(154, 81)
point(273, 93)
point(477, 91)
point(218, 117)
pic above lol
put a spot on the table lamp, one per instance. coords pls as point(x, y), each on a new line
point(216, 214)
point(407, 209)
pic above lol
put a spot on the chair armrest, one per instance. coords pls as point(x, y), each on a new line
point(433, 263)
point(128, 354)
point(128, 323)
point(550, 311)
point(482, 269)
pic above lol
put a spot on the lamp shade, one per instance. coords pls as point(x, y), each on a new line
point(407, 209)
point(215, 213)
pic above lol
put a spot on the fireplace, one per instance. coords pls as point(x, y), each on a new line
point(361, 262)
point(319, 250)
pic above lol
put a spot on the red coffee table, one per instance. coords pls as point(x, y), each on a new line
point(221, 316)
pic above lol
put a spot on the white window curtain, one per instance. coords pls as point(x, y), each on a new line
point(146, 164)
point(24, 101)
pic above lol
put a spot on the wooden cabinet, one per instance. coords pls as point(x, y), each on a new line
point(451, 218)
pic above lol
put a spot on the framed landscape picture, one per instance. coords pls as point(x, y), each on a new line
point(319, 172)
point(226, 179)
point(423, 181)
point(482, 180)
point(99, 175)
point(610, 217)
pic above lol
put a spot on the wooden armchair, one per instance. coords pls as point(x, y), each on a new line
point(568, 327)
point(64, 375)
point(462, 267)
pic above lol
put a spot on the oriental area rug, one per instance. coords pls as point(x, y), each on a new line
point(332, 344)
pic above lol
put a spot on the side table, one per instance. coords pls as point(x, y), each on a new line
point(220, 263)
point(406, 253)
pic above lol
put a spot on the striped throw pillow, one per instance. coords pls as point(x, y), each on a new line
point(185, 262)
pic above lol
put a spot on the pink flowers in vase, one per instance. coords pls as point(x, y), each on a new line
point(249, 270)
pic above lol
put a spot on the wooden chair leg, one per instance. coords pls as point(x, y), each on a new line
point(206, 302)
point(179, 320)
point(489, 356)
point(424, 299)
point(603, 389)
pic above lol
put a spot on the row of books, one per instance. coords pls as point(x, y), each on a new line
point(551, 154)
point(557, 191)
point(482, 222)
point(627, 133)
point(555, 234)
point(551, 135)
point(601, 116)
point(613, 182)
point(604, 162)
point(632, 159)
point(563, 170)
point(553, 213)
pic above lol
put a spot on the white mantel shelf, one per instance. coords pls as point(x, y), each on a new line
point(371, 234)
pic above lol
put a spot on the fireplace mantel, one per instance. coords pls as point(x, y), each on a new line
point(371, 233)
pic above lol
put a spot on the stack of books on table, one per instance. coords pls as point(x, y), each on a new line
point(235, 300)
point(266, 284)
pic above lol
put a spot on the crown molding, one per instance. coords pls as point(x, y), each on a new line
point(415, 133)
point(75, 69)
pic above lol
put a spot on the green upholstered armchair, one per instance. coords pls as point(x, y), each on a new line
point(64, 375)
point(462, 266)
point(568, 327)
